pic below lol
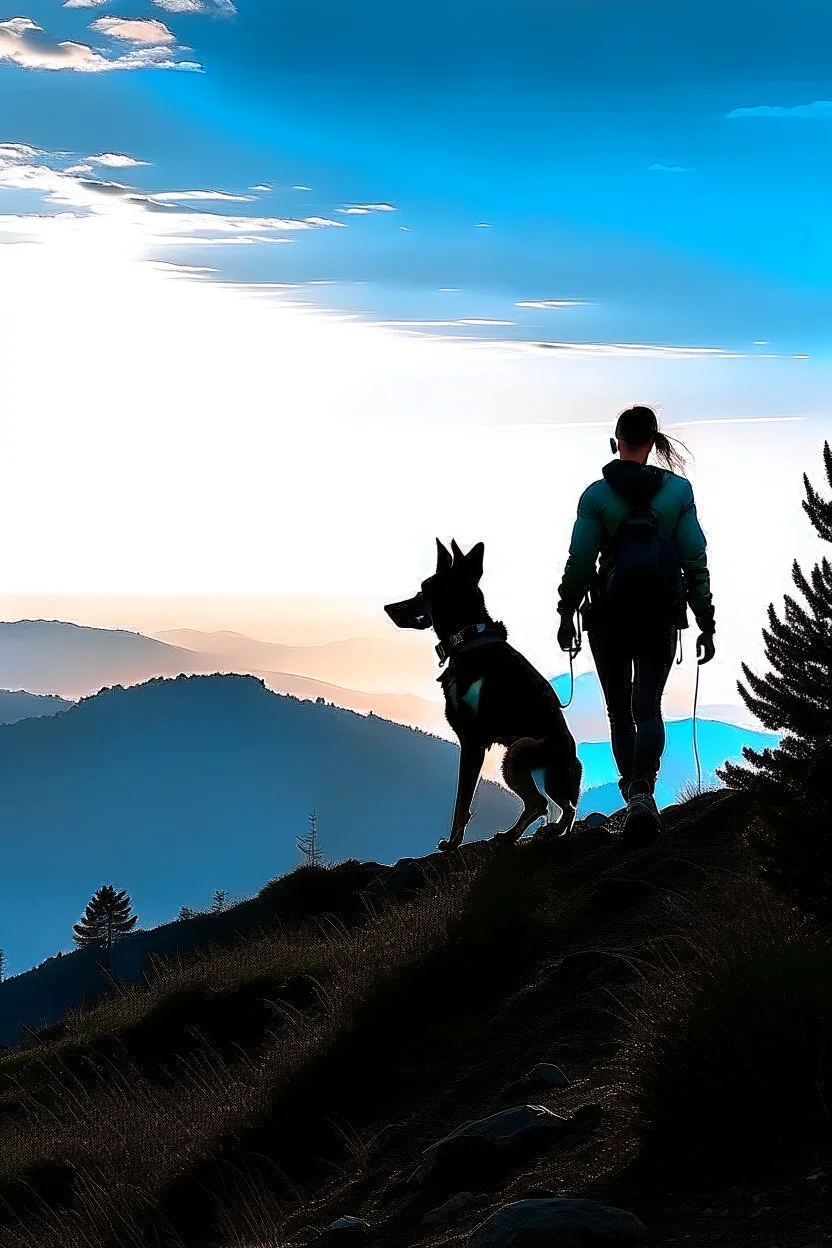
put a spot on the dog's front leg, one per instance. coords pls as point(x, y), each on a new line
point(471, 759)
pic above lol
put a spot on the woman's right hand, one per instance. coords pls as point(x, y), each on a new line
point(705, 648)
point(567, 636)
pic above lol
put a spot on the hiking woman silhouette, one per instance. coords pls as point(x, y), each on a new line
point(641, 520)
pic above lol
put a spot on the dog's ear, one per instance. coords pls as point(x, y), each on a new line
point(474, 560)
point(457, 553)
point(444, 558)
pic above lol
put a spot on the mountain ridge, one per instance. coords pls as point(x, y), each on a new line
point(176, 787)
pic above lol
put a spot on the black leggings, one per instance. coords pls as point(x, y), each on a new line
point(633, 672)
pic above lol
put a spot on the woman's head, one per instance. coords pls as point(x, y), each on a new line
point(638, 433)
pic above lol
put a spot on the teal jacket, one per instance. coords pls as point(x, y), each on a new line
point(602, 507)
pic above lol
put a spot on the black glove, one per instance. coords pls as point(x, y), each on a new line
point(705, 647)
point(567, 636)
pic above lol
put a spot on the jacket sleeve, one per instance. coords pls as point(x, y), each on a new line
point(692, 547)
point(584, 548)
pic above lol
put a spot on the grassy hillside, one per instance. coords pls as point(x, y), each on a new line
point(248, 1097)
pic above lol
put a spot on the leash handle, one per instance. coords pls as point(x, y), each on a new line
point(574, 651)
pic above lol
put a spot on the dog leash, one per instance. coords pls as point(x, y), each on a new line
point(694, 726)
point(573, 654)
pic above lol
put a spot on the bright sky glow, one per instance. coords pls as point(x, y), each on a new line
point(218, 380)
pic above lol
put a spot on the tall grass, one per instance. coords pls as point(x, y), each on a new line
point(97, 1133)
point(734, 1049)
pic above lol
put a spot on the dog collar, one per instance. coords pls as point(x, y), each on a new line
point(471, 632)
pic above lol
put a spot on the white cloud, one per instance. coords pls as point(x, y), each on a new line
point(363, 210)
point(225, 196)
point(659, 168)
point(116, 160)
point(170, 266)
point(325, 221)
point(462, 321)
point(80, 169)
point(21, 45)
point(650, 350)
point(301, 188)
point(115, 209)
point(84, 4)
point(261, 186)
point(483, 225)
point(18, 151)
point(548, 304)
point(820, 108)
point(134, 30)
point(222, 8)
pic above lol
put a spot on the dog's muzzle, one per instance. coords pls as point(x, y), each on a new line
point(413, 613)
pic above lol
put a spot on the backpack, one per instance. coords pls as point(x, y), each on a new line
point(643, 580)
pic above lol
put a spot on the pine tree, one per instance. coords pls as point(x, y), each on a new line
point(106, 918)
point(186, 912)
point(310, 845)
point(219, 900)
point(2, 964)
point(791, 785)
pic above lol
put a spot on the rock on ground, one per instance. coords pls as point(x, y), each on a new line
point(545, 1072)
point(484, 1139)
point(559, 1222)
point(448, 1211)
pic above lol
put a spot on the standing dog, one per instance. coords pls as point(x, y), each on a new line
point(493, 696)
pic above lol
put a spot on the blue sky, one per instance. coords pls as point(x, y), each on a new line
point(586, 152)
point(518, 218)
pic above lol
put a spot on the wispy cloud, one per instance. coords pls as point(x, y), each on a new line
point(220, 8)
point(649, 350)
point(820, 108)
point(23, 43)
point(551, 304)
point(84, 4)
point(262, 186)
point(362, 210)
point(301, 188)
point(659, 168)
point(481, 321)
point(115, 160)
point(225, 196)
point(18, 151)
point(168, 223)
point(134, 30)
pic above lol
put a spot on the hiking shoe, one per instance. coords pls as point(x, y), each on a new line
point(641, 824)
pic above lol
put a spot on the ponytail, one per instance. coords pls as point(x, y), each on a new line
point(668, 453)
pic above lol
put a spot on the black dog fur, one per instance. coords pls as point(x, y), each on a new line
point(493, 696)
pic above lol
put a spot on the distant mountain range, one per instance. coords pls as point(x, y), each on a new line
point(398, 664)
point(174, 788)
point(54, 657)
point(17, 704)
point(587, 714)
point(717, 744)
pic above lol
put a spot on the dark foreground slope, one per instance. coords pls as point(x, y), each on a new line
point(256, 1095)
